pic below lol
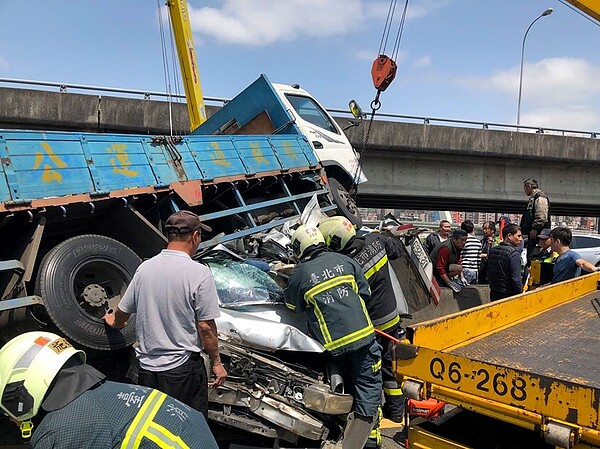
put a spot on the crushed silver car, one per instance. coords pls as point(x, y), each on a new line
point(280, 383)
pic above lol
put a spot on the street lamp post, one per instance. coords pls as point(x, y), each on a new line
point(547, 12)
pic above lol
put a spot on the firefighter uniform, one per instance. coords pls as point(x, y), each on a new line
point(373, 252)
point(331, 288)
point(114, 415)
point(43, 378)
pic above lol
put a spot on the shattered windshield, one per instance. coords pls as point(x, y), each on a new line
point(239, 283)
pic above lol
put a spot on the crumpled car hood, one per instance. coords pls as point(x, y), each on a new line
point(264, 330)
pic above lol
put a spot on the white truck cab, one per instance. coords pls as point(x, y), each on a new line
point(328, 141)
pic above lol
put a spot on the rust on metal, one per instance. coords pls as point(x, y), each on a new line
point(190, 192)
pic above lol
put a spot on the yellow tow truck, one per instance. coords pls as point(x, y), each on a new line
point(523, 372)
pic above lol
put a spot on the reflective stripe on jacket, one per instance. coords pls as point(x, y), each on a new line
point(115, 415)
point(331, 287)
point(373, 253)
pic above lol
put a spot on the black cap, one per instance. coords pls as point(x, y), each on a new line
point(545, 234)
point(184, 222)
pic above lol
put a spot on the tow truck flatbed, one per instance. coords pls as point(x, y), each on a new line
point(532, 360)
point(525, 345)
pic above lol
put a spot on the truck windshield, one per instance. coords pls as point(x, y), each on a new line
point(311, 112)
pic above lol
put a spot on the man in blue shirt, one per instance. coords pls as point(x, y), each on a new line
point(569, 263)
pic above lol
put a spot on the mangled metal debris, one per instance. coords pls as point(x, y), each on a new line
point(281, 383)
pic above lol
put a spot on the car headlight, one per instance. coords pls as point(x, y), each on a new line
point(322, 401)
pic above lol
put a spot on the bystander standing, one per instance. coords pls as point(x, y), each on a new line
point(569, 264)
point(489, 229)
point(537, 214)
point(435, 238)
point(175, 301)
point(470, 253)
point(504, 264)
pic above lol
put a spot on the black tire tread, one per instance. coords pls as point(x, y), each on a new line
point(52, 278)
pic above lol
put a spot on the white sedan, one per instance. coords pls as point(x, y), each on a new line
point(588, 247)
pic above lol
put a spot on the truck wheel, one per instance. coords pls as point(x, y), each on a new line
point(344, 202)
point(79, 279)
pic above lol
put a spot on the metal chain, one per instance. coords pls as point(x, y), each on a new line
point(375, 105)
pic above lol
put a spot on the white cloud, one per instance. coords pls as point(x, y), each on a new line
point(3, 63)
point(560, 81)
point(423, 61)
point(557, 92)
point(263, 22)
point(578, 118)
point(423, 8)
point(364, 55)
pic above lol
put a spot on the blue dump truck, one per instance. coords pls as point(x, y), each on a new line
point(79, 211)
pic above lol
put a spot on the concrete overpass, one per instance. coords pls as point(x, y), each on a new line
point(413, 166)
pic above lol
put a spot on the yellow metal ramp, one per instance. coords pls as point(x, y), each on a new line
point(532, 360)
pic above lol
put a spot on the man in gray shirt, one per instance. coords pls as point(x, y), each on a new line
point(175, 301)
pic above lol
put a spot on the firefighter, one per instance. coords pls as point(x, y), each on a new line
point(331, 288)
point(44, 380)
point(372, 252)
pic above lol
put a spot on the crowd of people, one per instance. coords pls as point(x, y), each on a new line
point(459, 258)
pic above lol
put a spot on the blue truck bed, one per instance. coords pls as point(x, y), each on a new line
point(41, 169)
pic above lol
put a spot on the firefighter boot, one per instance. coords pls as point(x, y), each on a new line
point(374, 441)
point(394, 402)
point(357, 431)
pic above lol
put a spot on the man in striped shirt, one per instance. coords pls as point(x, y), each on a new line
point(471, 253)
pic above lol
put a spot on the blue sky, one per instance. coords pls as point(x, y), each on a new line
point(459, 58)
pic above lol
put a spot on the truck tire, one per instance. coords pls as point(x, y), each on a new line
point(344, 202)
point(79, 279)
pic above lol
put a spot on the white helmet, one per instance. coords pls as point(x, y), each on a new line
point(304, 237)
point(28, 365)
point(337, 231)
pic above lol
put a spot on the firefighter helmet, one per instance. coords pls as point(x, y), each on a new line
point(28, 365)
point(304, 237)
point(337, 232)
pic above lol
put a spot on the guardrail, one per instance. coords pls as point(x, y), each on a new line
point(482, 125)
point(64, 87)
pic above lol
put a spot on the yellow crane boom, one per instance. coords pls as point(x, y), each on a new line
point(184, 41)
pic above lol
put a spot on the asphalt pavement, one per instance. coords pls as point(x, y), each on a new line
point(391, 435)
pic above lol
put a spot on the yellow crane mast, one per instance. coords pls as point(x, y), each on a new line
point(184, 41)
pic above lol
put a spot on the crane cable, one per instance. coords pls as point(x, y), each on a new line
point(169, 67)
point(383, 72)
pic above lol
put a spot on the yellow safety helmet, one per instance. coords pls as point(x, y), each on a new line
point(28, 365)
point(337, 231)
point(304, 237)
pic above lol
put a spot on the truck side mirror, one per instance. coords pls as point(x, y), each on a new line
point(355, 109)
point(357, 112)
